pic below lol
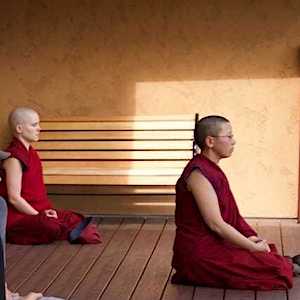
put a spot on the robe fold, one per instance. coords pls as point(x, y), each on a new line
point(201, 257)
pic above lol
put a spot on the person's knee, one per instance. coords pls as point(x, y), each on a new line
point(3, 218)
point(48, 224)
point(34, 230)
point(3, 206)
point(51, 228)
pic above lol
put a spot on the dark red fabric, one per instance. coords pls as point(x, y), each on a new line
point(33, 188)
point(203, 258)
point(89, 235)
point(39, 229)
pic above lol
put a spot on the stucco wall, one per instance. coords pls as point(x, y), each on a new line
point(100, 58)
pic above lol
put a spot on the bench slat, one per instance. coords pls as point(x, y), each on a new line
point(117, 135)
point(115, 155)
point(114, 145)
point(111, 180)
point(121, 172)
point(126, 164)
point(109, 189)
point(135, 125)
point(116, 204)
point(114, 164)
point(181, 117)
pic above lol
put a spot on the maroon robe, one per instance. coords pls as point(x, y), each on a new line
point(201, 257)
point(34, 229)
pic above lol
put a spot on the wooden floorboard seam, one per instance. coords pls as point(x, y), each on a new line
point(157, 272)
point(122, 285)
point(60, 271)
point(12, 260)
point(153, 250)
point(96, 280)
point(165, 286)
point(65, 275)
point(94, 261)
point(146, 265)
point(19, 286)
point(122, 260)
point(151, 267)
point(65, 260)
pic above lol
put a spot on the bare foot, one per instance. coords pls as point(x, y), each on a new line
point(296, 270)
point(33, 296)
point(8, 293)
point(15, 296)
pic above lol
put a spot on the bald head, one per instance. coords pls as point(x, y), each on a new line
point(19, 116)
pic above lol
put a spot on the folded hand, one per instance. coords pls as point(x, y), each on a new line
point(51, 213)
point(262, 246)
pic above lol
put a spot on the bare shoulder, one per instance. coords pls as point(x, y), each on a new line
point(11, 163)
point(197, 180)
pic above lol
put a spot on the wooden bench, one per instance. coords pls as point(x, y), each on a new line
point(125, 165)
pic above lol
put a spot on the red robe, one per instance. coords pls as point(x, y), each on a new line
point(201, 257)
point(34, 229)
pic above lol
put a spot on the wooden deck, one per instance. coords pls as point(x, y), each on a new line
point(133, 262)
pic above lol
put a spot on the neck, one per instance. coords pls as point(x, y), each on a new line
point(208, 153)
point(23, 141)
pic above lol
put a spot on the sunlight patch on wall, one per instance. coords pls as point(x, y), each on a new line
point(263, 170)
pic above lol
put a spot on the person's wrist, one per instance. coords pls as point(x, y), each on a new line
point(254, 247)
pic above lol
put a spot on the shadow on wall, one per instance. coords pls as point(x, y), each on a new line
point(298, 60)
point(84, 58)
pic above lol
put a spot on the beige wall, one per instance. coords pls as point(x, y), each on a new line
point(99, 58)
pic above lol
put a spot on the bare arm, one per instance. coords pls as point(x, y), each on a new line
point(208, 205)
point(13, 171)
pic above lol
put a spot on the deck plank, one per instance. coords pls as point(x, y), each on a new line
point(45, 275)
point(291, 246)
point(239, 295)
point(98, 278)
point(144, 251)
point(14, 253)
point(80, 265)
point(122, 286)
point(271, 295)
point(208, 293)
point(294, 293)
point(158, 270)
point(29, 264)
point(178, 291)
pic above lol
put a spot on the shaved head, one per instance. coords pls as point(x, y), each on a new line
point(208, 126)
point(20, 115)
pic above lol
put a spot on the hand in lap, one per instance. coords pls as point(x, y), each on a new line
point(51, 213)
point(261, 243)
point(255, 239)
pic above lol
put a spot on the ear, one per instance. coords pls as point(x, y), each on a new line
point(209, 141)
point(19, 128)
